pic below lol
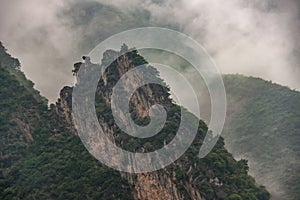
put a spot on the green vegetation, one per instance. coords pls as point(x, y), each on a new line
point(40, 158)
point(7, 60)
point(59, 167)
point(18, 116)
point(233, 179)
point(55, 165)
point(263, 127)
point(20, 106)
point(218, 175)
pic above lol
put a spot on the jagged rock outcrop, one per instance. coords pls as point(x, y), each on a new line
point(189, 177)
point(56, 165)
point(62, 110)
point(155, 185)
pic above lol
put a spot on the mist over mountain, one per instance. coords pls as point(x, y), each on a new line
point(257, 38)
point(262, 126)
point(39, 145)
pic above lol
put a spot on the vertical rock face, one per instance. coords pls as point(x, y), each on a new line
point(149, 186)
point(156, 186)
point(152, 186)
point(62, 110)
point(145, 96)
point(188, 177)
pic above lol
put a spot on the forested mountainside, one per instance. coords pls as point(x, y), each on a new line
point(41, 158)
point(52, 162)
point(7, 60)
point(262, 126)
point(21, 108)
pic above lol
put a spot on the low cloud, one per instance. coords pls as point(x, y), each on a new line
point(33, 32)
point(258, 38)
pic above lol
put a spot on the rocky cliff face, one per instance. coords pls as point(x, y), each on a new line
point(152, 186)
point(62, 110)
point(189, 177)
point(149, 186)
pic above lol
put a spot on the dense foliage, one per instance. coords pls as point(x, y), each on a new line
point(18, 115)
point(40, 158)
point(59, 167)
point(55, 165)
point(233, 179)
point(7, 60)
point(263, 127)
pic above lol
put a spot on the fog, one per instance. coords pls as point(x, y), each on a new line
point(251, 37)
point(255, 38)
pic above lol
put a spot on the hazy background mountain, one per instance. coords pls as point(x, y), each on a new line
point(258, 38)
point(262, 125)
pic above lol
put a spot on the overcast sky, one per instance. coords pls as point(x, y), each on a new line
point(251, 37)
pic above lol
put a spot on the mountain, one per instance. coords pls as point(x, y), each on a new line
point(21, 110)
point(55, 164)
point(7, 60)
point(262, 126)
point(41, 158)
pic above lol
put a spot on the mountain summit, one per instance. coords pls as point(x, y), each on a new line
point(57, 166)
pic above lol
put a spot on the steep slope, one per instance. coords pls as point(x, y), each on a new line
point(7, 60)
point(21, 108)
point(263, 127)
point(57, 166)
point(19, 115)
point(187, 178)
point(53, 164)
point(40, 158)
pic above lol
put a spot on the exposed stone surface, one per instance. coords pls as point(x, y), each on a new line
point(187, 177)
point(62, 110)
point(160, 185)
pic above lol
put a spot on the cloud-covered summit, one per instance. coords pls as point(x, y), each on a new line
point(258, 38)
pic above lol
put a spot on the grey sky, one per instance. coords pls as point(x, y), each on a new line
point(258, 38)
